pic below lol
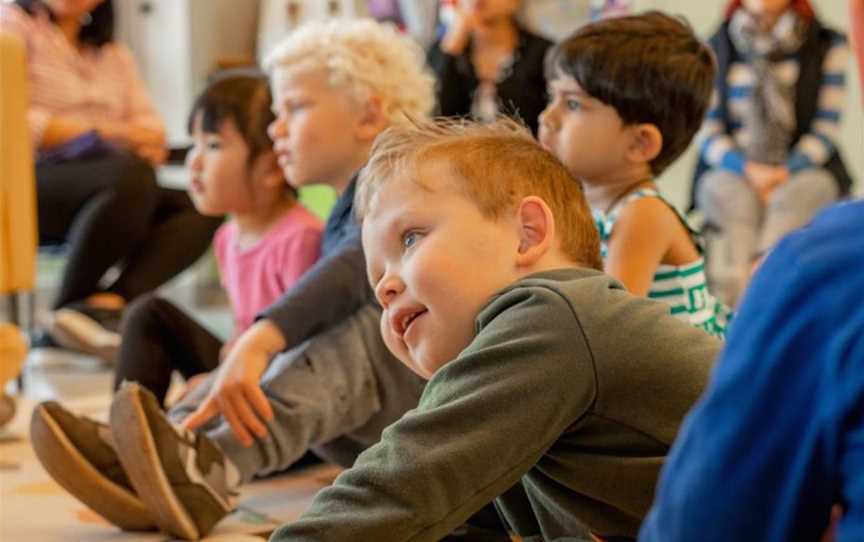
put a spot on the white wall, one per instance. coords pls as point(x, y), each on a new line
point(705, 16)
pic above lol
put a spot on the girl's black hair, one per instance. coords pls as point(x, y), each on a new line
point(243, 96)
point(97, 32)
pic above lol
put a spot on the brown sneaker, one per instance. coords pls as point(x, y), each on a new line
point(77, 452)
point(183, 478)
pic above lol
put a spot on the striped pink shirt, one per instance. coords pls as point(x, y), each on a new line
point(87, 85)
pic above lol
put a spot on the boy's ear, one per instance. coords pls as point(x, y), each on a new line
point(536, 230)
point(372, 119)
point(646, 142)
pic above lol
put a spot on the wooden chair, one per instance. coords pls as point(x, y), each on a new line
point(18, 221)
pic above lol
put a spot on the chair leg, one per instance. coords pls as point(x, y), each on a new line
point(15, 315)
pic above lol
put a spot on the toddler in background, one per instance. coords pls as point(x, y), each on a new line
point(266, 245)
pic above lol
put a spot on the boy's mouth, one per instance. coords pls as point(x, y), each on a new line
point(401, 320)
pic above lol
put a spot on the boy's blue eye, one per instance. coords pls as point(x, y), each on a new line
point(408, 239)
point(214, 145)
point(573, 105)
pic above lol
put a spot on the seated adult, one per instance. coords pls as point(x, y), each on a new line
point(768, 155)
point(98, 138)
point(487, 64)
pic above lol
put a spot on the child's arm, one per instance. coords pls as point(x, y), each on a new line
point(333, 289)
point(328, 293)
point(640, 238)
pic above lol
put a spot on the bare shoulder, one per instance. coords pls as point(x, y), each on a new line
point(647, 215)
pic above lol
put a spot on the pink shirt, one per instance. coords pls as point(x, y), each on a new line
point(257, 276)
point(84, 85)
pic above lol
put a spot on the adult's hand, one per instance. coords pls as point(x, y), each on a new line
point(236, 393)
point(153, 155)
point(459, 32)
point(765, 178)
point(144, 141)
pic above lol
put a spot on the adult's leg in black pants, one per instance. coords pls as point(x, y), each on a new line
point(158, 339)
point(178, 236)
point(102, 207)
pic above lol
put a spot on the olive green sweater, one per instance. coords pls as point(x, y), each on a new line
point(569, 396)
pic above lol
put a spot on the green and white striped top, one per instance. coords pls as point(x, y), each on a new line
point(683, 287)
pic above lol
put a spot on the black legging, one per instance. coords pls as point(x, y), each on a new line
point(110, 210)
point(159, 338)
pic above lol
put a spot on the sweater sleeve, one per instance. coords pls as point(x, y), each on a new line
point(715, 142)
point(484, 420)
point(816, 147)
point(333, 289)
point(454, 99)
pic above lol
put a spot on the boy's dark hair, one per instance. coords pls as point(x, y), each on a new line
point(98, 31)
point(651, 68)
point(243, 96)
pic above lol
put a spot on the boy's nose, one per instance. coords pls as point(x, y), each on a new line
point(388, 289)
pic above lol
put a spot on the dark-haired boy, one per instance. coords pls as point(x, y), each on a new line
point(628, 94)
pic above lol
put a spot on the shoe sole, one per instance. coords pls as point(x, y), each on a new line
point(76, 475)
point(81, 334)
point(140, 458)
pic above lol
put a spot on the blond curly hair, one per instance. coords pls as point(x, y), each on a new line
point(365, 57)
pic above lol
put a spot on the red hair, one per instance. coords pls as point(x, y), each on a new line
point(803, 7)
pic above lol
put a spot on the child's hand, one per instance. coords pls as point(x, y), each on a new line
point(193, 383)
point(226, 348)
point(236, 393)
